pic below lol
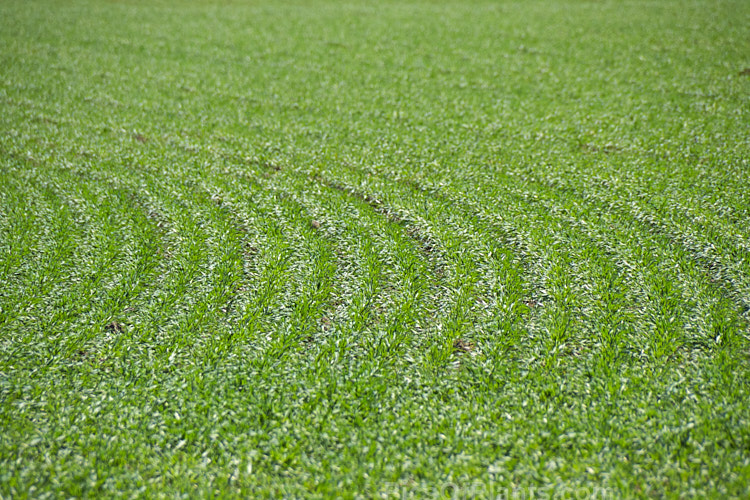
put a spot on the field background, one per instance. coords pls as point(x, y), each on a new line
point(373, 249)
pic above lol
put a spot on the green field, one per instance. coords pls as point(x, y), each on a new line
point(418, 249)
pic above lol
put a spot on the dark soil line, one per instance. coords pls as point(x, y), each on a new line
point(223, 201)
point(501, 235)
point(427, 246)
point(708, 268)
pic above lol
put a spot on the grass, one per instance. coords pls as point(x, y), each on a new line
point(391, 250)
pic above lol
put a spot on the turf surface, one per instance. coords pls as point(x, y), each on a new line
point(374, 249)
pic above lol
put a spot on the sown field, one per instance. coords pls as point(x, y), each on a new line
point(374, 249)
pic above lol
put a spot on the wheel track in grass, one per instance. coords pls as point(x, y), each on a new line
point(153, 207)
point(572, 222)
point(425, 284)
point(300, 315)
point(422, 241)
point(334, 208)
point(95, 292)
point(412, 223)
point(197, 280)
point(656, 273)
point(363, 198)
point(443, 345)
point(459, 264)
point(298, 310)
point(693, 274)
point(507, 234)
point(274, 204)
point(377, 205)
point(553, 340)
point(120, 292)
point(701, 251)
